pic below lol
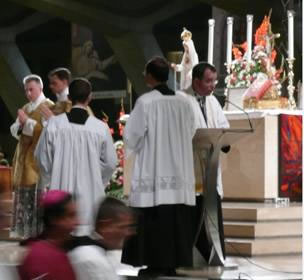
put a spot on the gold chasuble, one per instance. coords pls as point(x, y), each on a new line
point(25, 170)
point(61, 107)
point(65, 107)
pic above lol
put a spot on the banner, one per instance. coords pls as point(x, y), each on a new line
point(290, 157)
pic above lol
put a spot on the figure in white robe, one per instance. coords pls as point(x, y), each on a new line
point(208, 114)
point(189, 60)
point(163, 171)
point(76, 154)
point(96, 257)
point(159, 131)
point(215, 119)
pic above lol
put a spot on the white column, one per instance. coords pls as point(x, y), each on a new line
point(290, 34)
point(229, 40)
point(249, 37)
point(211, 23)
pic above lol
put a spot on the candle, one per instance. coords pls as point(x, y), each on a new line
point(229, 40)
point(211, 23)
point(290, 35)
point(249, 36)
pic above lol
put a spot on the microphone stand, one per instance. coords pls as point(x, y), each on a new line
point(241, 109)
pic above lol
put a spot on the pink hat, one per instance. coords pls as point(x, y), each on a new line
point(52, 197)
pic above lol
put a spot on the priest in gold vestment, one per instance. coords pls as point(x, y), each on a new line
point(27, 129)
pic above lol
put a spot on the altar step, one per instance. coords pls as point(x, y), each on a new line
point(253, 229)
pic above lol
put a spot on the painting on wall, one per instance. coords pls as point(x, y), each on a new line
point(290, 160)
point(92, 58)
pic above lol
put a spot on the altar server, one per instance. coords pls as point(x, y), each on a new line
point(76, 154)
point(159, 131)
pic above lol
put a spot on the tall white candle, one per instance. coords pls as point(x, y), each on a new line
point(211, 23)
point(229, 40)
point(249, 36)
point(290, 34)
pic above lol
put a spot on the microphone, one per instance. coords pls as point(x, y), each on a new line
point(241, 109)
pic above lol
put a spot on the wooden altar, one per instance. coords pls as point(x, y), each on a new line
point(251, 169)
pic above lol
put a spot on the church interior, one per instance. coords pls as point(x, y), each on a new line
point(110, 42)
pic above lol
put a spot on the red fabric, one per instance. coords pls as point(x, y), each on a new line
point(47, 261)
point(291, 142)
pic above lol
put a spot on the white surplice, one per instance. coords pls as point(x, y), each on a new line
point(91, 262)
point(79, 159)
point(159, 131)
point(215, 119)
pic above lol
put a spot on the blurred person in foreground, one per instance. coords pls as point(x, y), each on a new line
point(46, 258)
point(89, 254)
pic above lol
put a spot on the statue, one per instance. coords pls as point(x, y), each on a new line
point(189, 60)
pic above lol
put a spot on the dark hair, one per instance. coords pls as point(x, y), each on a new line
point(61, 73)
point(112, 208)
point(79, 90)
point(199, 69)
point(158, 67)
point(54, 211)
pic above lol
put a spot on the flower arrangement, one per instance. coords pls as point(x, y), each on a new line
point(243, 73)
point(115, 186)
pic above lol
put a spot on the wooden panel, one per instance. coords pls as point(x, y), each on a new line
point(5, 182)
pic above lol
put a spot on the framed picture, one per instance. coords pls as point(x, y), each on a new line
point(92, 58)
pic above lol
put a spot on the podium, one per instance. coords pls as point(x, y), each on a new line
point(212, 140)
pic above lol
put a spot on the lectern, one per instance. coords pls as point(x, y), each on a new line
point(212, 140)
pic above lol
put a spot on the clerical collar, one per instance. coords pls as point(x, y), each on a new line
point(63, 96)
point(164, 89)
point(78, 115)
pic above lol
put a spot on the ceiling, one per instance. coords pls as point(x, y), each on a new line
point(120, 15)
